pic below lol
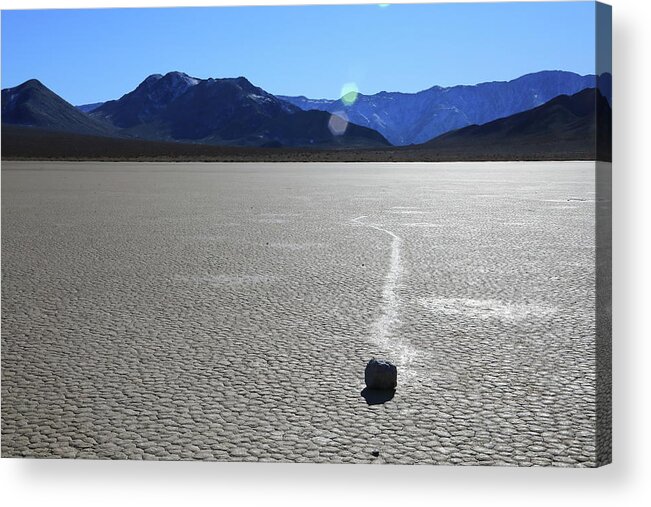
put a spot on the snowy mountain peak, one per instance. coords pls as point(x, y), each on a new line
point(181, 78)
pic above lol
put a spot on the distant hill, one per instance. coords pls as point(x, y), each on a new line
point(33, 104)
point(177, 107)
point(414, 118)
point(87, 108)
point(577, 126)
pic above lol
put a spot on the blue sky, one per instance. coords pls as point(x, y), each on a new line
point(99, 54)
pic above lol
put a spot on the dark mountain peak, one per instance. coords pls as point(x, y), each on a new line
point(574, 126)
point(547, 72)
point(147, 84)
point(174, 80)
point(435, 88)
point(553, 76)
point(23, 91)
point(33, 104)
point(234, 86)
point(148, 99)
point(173, 85)
point(13, 97)
point(30, 83)
point(244, 83)
point(240, 83)
point(179, 78)
point(171, 80)
point(222, 109)
point(152, 78)
point(582, 104)
point(240, 91)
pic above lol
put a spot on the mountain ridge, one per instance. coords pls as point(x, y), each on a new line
point(414, 118)
point(224, 111)
point(578, 123)
point(177, 107)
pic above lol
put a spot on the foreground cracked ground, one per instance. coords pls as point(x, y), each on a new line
point(226, 312)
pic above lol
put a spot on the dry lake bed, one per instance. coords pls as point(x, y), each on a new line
point(227, 311)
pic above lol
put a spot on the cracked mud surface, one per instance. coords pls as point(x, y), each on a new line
point(227, 312)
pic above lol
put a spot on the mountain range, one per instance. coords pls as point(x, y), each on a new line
point(414, 118)
point(177, 107)
point(549, 108)
point(576, 127)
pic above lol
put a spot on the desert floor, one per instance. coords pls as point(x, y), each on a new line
point(227, 311)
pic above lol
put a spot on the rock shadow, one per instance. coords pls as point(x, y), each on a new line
point(377, 396)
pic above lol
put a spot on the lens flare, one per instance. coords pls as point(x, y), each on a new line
point(383, 6)
point(338, 123)
point(349, 94)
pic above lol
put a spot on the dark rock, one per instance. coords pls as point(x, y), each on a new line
point(375, 453)
point(380, 374)
point(377, 396)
